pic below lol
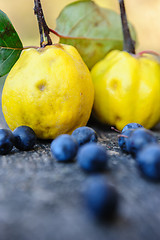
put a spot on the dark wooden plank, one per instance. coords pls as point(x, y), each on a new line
point(42, 199)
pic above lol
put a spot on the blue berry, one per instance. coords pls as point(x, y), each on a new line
point(131, 126)
point(6, 141)
point(149, 161)
point(25, 138)
point(101, 198)
point(92, 157)
point(84, 135)
point(139, 138)
point(123, 138)
point(64, 148)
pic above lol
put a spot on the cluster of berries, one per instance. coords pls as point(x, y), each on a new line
point(143, 145)
point(100, 196)
point(23, 138)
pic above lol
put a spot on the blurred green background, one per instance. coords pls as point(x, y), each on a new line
point(144, 14)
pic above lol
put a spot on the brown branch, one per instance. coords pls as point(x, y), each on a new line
point(128, 43)
point(43, 28)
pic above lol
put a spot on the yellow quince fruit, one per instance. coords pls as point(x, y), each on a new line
point(50, 90)
point(127, 89)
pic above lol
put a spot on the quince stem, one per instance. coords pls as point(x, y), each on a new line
point(148, 52)
point(128, 43)
point(43, 27)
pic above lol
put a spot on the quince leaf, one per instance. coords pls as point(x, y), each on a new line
point(93, 30)
point(10, 44)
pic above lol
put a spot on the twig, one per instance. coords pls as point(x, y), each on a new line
point(128, 43)
point(43, 28)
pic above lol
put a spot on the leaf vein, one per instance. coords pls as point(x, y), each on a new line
point(80, 20)
point(95, 8)
point(8, 57)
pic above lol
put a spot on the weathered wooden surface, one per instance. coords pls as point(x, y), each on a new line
point(41, 199)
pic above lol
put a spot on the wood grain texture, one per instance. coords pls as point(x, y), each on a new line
point(42, 199)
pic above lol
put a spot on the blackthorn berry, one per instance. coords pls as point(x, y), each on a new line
point(139, 138)
point(84, 135)
point(6, 141)
point(148, 160)
point(64, 148)
point(101, 198)
point(92, 157)
point(25, 138)
point(131, 126)
point(123, 138)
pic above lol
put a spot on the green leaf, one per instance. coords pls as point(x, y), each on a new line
point(93, 30)
point(2, 81)
point(10, 44)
